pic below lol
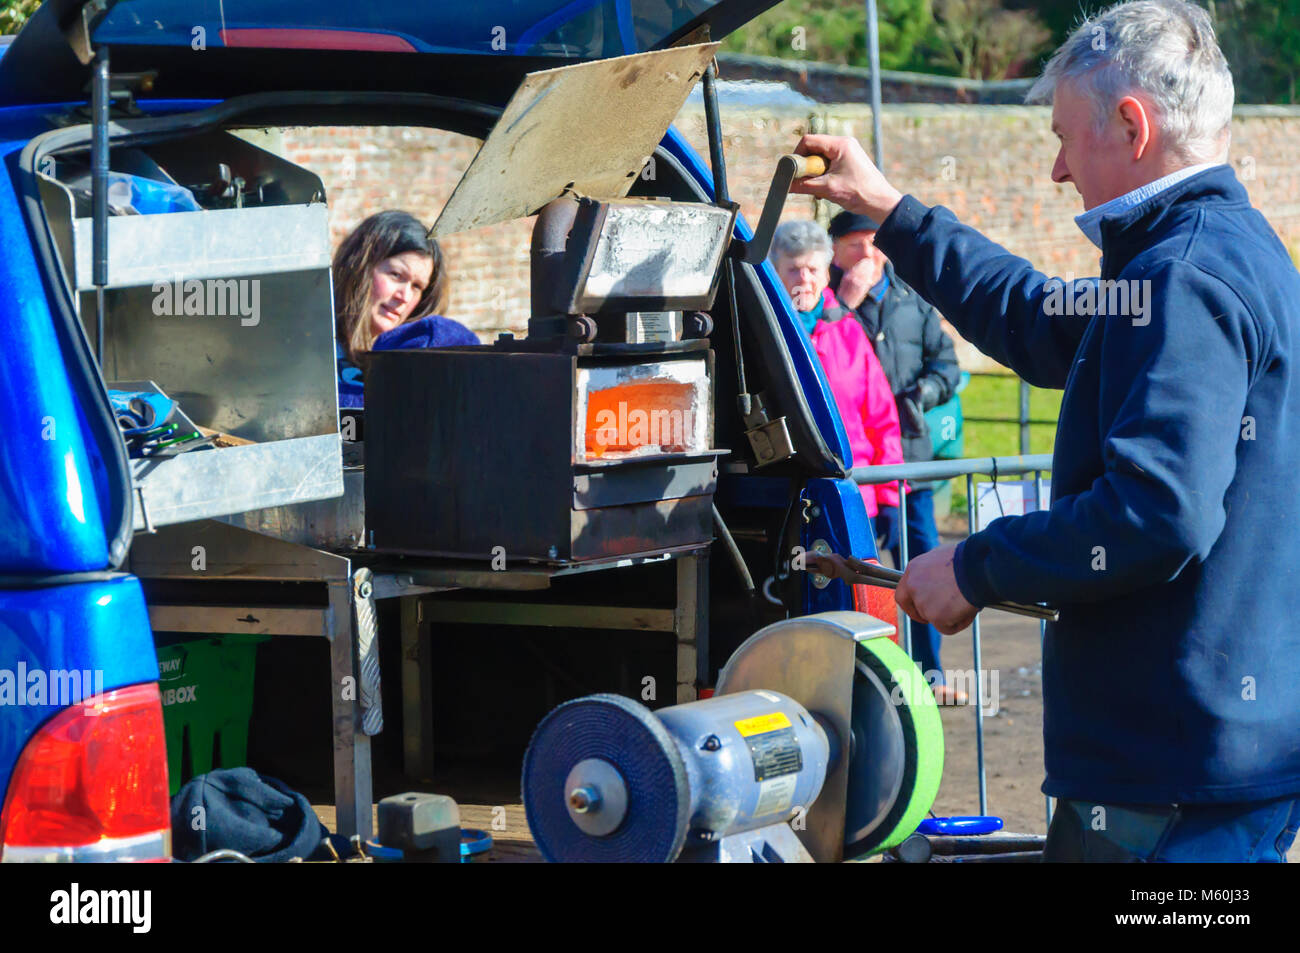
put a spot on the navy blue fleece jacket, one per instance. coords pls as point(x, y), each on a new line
point(1172, 544)
point(427, 332)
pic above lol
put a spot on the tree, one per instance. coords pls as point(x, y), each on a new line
point(980, 39)
point(1261, 39)
point(835, 31)
point(14, 13)
point(1059, 16)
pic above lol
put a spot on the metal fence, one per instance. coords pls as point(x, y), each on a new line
point(995, 467)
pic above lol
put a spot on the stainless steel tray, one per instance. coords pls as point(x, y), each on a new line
point(337, 524)
point(211, 483)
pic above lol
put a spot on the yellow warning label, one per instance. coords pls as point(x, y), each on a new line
point(761, 724)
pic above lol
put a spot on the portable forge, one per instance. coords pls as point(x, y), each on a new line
point(592, 437)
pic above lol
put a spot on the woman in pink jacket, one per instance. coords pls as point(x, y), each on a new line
point(801, 254)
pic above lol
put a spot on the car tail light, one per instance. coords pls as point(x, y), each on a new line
point(92, 784)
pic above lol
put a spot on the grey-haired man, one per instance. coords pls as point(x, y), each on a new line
point(1171, 716)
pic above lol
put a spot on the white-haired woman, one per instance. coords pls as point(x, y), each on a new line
point(801, 255)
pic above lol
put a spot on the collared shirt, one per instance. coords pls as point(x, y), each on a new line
point(1090, 221)
point(877, 292)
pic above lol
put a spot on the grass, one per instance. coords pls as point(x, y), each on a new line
point(1000, 397)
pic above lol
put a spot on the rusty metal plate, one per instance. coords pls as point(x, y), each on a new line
point(589, 127)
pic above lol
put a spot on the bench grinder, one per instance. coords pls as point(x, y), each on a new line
point(822, 743)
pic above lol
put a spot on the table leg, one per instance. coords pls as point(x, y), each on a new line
point(353, 794)
point(691, 626)
point(417, 692)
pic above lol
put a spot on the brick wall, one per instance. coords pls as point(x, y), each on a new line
point(989, 164)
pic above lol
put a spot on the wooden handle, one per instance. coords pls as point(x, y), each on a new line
point(221, 440)
point(809, 167)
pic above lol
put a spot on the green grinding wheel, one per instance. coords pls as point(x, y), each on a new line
point(895, 778)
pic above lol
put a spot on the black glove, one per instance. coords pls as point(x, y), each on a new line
point(913, 404)
point(925, 393)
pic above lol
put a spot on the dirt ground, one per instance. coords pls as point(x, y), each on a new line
point(1011, 654)
point(1013, 726)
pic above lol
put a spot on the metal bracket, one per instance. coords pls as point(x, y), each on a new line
point(144, 511)
point(821, 548)
point(363, 608)
point(769, 439)
point(78, 32)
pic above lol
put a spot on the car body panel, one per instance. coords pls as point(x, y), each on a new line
point(101, 627)
point(838, 516)
point(223, 48)
point(51, 480)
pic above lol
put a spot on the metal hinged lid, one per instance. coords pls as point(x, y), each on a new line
point(587, 129)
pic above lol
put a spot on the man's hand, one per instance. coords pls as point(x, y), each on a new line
point(928, 592)
point(852, 182)
point(857, 281)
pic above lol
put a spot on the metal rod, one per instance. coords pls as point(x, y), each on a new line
point(721, 195)
point(733, 550)
point(886, 578)
point(873, 55)
point(903, 556)
point(975, 647)
point(99, 192)
point(948, 844)
point(1007, 420)
point(713, 123)
point(1024, 416)
point(949, 469)
point(1042, 626)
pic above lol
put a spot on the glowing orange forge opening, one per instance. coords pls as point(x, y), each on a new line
point(656, 413)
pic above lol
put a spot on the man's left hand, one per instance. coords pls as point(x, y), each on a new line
point(928, 592)
point(856, 282)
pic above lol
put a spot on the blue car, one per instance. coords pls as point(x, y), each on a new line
point(83, 766)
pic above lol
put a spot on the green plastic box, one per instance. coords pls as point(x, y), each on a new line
point(206, 685)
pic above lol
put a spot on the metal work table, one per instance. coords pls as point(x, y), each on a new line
point(205, 562)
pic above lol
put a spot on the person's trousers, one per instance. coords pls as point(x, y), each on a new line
point(922, 536)
point(1257, 832)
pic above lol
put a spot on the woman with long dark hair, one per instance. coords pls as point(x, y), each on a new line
point(389, 280)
